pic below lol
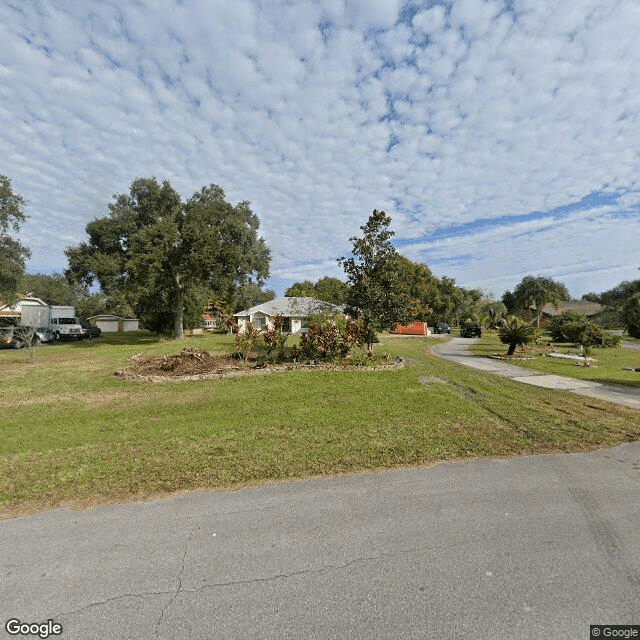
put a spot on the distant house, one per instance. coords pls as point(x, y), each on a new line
point(296, 312)
point(109, 323)
point(593, 310)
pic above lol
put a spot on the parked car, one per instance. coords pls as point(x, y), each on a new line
point(89, 329)
point(442, 327)
point(43, 334)
point(470, 330)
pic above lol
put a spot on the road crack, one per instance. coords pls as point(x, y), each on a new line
point(179, 589)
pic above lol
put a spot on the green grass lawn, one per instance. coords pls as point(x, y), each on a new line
point(71, 432)
point(608, 366)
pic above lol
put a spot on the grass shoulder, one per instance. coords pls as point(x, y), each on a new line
point(74, 434)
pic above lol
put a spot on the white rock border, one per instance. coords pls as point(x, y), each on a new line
point(567, 356)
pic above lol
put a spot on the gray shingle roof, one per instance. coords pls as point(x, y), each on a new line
point(294, 306)
point(585, 306)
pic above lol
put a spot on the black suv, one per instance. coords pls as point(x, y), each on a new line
point(470, 329)
point(89, 329)
point(442, 327)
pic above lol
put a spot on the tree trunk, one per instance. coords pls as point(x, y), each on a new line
point(178, 315)
point(512, 348)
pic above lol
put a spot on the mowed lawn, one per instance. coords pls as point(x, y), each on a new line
point(73, 433)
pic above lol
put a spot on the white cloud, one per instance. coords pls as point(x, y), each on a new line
point(368, 14)
point(319, 112)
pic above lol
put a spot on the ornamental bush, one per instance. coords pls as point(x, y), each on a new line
point(331, 336)
point(574, 326)
point(246, 340)
point(568, 326)
point(274, 338)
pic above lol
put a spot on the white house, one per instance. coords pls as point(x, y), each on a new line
point(295, 311)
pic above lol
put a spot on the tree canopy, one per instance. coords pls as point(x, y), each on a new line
point(54, 288)
point(538, 291)
point(327, 288)
point(250, 295)
point(495, 311)
point(162, 254)
point(13, 255)
point(433, 299)
point(631, 315)
point(375, 285)
point(617, 296)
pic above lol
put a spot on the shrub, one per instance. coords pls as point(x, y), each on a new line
point(246, 340)
point(275, 339)
point(331, 336)
point(568, 326)
point(573, 326)
point(321, 340)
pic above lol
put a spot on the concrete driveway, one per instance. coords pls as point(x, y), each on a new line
point(535, 547)
point(457, 350)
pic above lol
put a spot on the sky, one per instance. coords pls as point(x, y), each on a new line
point(501, 136)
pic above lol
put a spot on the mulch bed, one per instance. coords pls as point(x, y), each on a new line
point(193, 363)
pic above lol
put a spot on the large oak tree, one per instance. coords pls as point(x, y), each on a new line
point(160, 252)
point(12, 254)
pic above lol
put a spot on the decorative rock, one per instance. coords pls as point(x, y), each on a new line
point(567, 356)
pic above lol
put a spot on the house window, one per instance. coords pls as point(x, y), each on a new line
point(258, 323)
point(286, 326)
point(304, 323)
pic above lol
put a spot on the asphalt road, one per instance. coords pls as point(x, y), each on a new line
point(535, 547)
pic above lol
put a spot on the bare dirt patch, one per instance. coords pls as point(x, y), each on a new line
point(192, 363)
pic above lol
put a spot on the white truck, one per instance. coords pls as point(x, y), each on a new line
point(53, 322)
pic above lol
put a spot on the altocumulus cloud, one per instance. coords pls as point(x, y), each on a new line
point(500, 135)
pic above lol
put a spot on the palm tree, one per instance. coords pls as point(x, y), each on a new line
point(495, 311)
point(515, 332)
point(538, 291)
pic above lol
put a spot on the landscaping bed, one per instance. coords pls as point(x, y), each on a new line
point(194, 363)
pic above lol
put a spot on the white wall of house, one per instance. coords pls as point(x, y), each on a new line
point(262, 321)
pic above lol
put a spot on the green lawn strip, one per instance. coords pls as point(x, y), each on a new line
point(608, 368)
point(105, 439)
